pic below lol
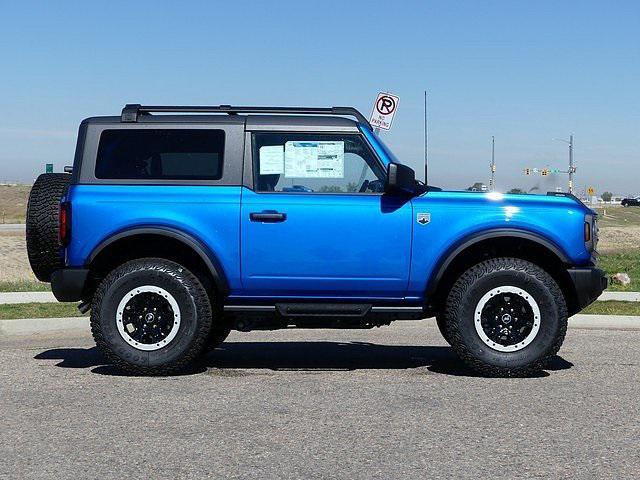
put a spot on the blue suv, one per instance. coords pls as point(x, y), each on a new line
point(175, 229)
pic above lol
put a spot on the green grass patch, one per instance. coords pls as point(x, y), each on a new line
point(622, 262)
point(24, 286)
point(613, 307)
point(39, 310)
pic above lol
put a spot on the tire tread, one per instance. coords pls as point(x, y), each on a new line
point(201, 300)
point(462, 287)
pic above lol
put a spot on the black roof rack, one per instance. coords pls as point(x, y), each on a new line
point(131, 111)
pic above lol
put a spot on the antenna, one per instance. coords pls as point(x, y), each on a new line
point(426, 158)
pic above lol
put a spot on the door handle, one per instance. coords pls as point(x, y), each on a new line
point(267, 217)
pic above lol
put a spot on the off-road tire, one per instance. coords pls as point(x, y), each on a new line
point(217, 336)
point(195, 310)
point(42, 224)
point(441, 322)
point(475, 283)
point(220, 328)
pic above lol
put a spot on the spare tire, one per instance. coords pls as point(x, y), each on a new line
point(43, 211)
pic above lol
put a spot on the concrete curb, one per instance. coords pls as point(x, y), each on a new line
point(26, 297)
point(40, 326)
point(606, 322)
point(621, 296)
point(12, 227)
point(43, 326)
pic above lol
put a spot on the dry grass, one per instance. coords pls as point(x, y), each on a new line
point(617, 216)
point(619, 228)
point(13, 203)
point(14, 264)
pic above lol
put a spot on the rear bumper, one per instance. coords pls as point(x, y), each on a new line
point(589, 282)
point(67, 284)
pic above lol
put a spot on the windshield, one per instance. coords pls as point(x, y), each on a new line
point(378, 144)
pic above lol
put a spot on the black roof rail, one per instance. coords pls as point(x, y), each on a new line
point(131, 111)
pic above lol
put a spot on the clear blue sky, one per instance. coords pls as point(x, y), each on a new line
point(524, 71)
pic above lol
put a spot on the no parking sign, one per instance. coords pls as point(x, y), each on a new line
point(384, 109)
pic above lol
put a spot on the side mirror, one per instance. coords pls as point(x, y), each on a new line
point(400, 178)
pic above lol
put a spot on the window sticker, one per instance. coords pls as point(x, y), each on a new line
point(331, 159)
point(271, 159)
point(314, 160)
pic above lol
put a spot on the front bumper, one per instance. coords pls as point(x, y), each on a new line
point(67, 284)
point(589, 282)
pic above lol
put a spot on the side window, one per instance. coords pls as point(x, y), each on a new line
point(321, 163)
point(160, 154)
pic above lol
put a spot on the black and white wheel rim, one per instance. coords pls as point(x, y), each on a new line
point(507, 319)
point(148, 318)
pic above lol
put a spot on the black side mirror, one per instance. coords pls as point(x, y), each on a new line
point(400, 178)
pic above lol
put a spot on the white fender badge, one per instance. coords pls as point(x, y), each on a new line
point(423, 218)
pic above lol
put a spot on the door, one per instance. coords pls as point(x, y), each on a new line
point(317, 222)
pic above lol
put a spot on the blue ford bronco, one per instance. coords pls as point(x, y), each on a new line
point(176, 228)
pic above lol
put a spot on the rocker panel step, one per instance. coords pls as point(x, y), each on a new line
point(323, 309)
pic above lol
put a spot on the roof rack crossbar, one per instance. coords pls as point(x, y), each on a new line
point(131, 111)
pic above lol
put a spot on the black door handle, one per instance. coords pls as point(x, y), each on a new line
point(267, 217)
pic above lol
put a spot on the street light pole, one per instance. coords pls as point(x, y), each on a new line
point(492, 182)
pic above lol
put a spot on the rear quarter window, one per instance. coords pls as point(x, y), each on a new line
point(160, 154)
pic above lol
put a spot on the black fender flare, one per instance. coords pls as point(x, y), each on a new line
point(208, 257)
point(445, 260)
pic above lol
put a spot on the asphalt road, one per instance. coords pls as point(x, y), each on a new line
point(385, 403)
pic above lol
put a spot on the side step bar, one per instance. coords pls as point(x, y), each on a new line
point(323, 309)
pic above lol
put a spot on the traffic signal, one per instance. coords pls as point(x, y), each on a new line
point(545, 172)
point(527, 171)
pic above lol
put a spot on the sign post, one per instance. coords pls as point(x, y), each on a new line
point(383, 111)
point(384, 108)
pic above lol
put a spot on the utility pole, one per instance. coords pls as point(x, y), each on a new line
point(492, 181)
point(571, 167)
point(425, 139)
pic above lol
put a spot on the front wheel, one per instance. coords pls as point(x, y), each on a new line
point(151, 317)
point(506, 317)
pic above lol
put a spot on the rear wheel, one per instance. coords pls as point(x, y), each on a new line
point(151, 316)
point(506, 317)
point(441, 321)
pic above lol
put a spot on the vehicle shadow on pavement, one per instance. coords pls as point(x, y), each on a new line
point(315, 356)
point(301, 356)
point(92, 358)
